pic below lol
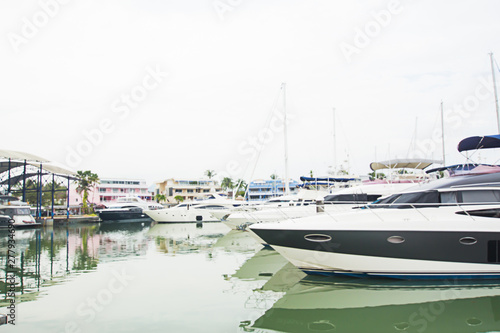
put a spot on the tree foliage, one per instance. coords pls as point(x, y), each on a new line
point(374, 175)
point(227, 183)
point(86, 181)
point(210, 174)
point(242, 187)
point(160, 197)
point(60, 193)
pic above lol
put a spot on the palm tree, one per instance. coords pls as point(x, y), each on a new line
point(179, 198)
point(374, 175)
point(274, 176)
point(210, 173)
point(85, 181)
point(160, 197)
point(242, 187)
point(227, 183)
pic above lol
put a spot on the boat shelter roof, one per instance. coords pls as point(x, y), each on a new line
point(4, 166)
point(54, 169)
point(20, 156)
point(17, 159)
point(402, 163)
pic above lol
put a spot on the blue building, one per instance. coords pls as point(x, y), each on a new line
point(267, 189)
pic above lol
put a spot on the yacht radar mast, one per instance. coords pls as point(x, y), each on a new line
point(495, 90)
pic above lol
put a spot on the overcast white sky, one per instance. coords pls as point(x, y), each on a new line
point(68, 67)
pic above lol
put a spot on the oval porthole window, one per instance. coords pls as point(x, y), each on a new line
point(403, 326)
point(396, 239)
point(468, 240)
point(321, 326)
point(318, 238)
point(473, 321)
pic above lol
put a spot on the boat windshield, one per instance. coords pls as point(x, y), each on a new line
point(351, 198)
point(7, 199)
point(209, 207)
point(15, 211)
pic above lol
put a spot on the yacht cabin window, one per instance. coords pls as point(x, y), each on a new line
point(480, 196)
point(448, 197)
point(434, 198)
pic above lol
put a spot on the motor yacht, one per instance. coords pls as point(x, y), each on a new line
point(11, 208)
point(440, 229)
point(194, 211)
point(127, 209)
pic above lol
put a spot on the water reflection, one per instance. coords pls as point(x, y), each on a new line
point(184, 238)
point(238, 241)
point(345, 305)
point(263, 276)
point(45, 257)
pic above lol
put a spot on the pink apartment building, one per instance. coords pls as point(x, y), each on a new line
point(110, 189)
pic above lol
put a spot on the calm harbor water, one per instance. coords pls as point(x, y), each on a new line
point(206, 278)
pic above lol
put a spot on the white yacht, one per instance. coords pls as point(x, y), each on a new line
point(15, 212)
point(195, 211)
point(442, 229)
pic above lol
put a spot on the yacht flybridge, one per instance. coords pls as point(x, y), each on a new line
point(445, 228)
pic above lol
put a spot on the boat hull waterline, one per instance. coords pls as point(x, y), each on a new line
point(369, 253)
point(171, 215)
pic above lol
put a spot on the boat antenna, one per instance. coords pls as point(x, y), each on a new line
point(334, 146)
point(287, 186)
point(442, 133)
point(495, 90)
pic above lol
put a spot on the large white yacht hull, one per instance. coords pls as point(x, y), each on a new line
point(398, 243)
point(181, 215)
point(328, 263)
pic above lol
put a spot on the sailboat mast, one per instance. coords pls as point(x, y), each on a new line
point(334, 146)
point(287, 186)
point(442, 134)
point(495, 90)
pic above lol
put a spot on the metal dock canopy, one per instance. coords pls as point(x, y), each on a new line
point(17, 167)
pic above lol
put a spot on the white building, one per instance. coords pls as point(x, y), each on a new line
point(188, 189)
